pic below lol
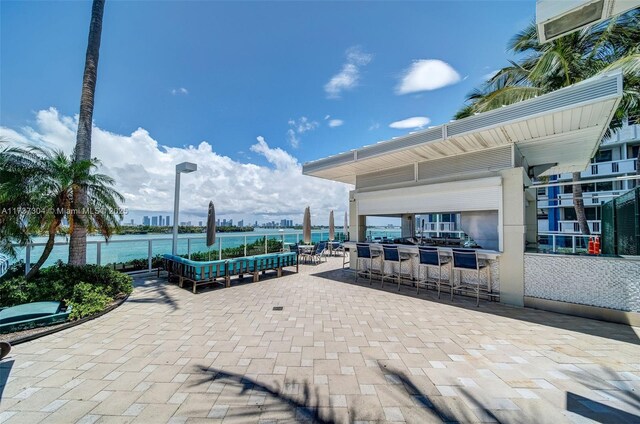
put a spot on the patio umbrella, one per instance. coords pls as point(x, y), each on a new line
point(332, 228)
point(306, 226)
point(346, 226)
point(211, 226)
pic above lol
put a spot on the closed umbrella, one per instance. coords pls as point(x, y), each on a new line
point(306, 226)
point(211, 226)
point(346, 226)
point(332, 228)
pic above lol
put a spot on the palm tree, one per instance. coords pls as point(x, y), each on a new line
point(78, 241)
point(42, 183)
point(565, 61)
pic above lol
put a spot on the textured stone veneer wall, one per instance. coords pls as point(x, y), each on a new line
point(595, 281)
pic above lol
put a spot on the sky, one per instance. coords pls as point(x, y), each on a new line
point(247, 90)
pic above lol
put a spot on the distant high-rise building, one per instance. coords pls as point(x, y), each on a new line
point(154, 221)
point(241, 223)
point(199, 223)
point(146, 221)
point(132, 223)
point(167, 221)
point(256, 224)
point(160, 220)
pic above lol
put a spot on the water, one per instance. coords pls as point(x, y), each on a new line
point(124, 248)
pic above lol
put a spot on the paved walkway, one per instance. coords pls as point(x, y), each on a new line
point(337, 352)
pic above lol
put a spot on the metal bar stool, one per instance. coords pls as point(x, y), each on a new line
point(429, 257)
point(467, 260)
point(365, 254)
point(393, 257)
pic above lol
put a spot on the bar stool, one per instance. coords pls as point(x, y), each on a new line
point(393, 257)
point(429, 257)
point(365, 253)
point(467, 260)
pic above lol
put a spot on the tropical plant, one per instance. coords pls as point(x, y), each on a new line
point(39, 185)
point(78, 240)
point(542, 68)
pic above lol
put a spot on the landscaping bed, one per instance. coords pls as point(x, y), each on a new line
point(89, 290)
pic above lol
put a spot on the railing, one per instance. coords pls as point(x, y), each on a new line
point(121, 251)
point(574, 227)
point(623, 166)
point(563, 243)
point(589, 198)
point(4, 264)
point(440, 227)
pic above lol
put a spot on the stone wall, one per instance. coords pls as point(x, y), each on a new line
point(587, 280)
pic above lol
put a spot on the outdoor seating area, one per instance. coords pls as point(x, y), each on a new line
point(464, 271)
point(200, 273)
point(316, 253)
point(315, 346)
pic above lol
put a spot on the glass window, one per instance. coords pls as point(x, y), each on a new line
point(542, 191)
point(603, 156)
point(604, 186)
point(569, 214)
point(590, 213)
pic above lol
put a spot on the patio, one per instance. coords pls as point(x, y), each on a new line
point(336, 352)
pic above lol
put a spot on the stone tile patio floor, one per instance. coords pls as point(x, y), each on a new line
point(337, 352)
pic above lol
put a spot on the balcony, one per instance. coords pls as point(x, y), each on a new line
point(605, 169)
point(572, 227)
point(595, 198)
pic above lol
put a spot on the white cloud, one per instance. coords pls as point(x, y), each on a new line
point(297, 127)
point(327, 117)
point(349, 76)
point(426, 75)
point(181, 90)
point(144, 171)
point(415, 122)
point(374, 126)
point(335, 123)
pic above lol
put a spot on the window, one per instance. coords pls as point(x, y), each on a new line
point(542, 191)
point(603, 156)
point(604, 186)
point(569, 214)
point(590, 213)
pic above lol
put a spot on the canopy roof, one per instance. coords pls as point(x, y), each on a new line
point(560, 131)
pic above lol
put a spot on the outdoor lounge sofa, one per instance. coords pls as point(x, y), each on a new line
point(221, 271)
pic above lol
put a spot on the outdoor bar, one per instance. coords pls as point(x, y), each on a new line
point(480, 168)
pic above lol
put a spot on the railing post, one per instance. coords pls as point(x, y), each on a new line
point(27, 259)
point(189, 248)
point(553, 241)
point(573, 243)
point(245, 245)
point(265, 244)
point(150, 254)
point(219, 249)
point(99, 253)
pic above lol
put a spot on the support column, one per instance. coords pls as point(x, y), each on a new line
point(357, 223)
point(514, 236)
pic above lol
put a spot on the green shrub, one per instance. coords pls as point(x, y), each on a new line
point(89, 289)
point(87, 300)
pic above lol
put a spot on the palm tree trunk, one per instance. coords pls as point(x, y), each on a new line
point(78, 240)
point(578, 205)
point(53, 228)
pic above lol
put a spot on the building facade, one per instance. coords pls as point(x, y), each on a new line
point(616, 157)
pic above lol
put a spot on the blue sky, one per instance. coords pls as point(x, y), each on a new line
point(310, 78)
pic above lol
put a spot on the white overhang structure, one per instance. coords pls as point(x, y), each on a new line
point(480, 168)
point(559, 131)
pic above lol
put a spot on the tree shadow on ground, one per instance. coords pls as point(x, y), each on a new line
point(619, 393)
point(609, 330)
point(308, 406)
point(5, 370)
point(154, 292)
